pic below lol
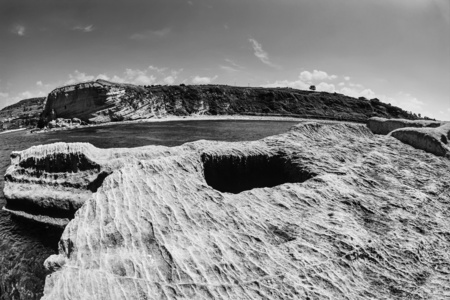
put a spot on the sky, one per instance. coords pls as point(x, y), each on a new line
point(394, 50)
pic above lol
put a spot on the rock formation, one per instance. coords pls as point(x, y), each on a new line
point(102, 101)
point(324, 211)
point(384, 126)
point(432, 137)
point(23, 113)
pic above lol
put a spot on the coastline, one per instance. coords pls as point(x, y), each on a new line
point(172, 118)
point(13, 130)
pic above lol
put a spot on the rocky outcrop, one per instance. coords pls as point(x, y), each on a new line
point(432, 140)
point(430, 136)
point(384, 126)
point(320, 212)
point(23, 113)
point(102, 101)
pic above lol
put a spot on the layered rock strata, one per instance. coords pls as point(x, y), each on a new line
point(102, 101)
point(320, 212)
point(432, 140)
point(384, 126)
point(430, 136)
point(24, 113)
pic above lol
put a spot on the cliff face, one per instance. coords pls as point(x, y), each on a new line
point(103, 101)
point(25, 112)
point(320, 212)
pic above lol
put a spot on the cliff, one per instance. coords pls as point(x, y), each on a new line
point(23, 113)
point(102, 101)
point(323, 211)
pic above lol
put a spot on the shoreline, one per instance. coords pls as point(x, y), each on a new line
point(198, 118)
point(13, 130)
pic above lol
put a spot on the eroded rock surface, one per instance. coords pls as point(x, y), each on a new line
point(384, 126)
point(430, 136)
point(432, 140)
point(348, 215)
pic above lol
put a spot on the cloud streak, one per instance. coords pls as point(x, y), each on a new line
point(203, 80)
point(151, 33)
point(262, 55)
point(88, 28)
point(19, 30)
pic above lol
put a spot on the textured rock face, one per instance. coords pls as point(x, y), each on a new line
point(349, 215)
point(23, 113)
point(102, 101)
point(384, 126)
point(432, 140)
point(432, 137)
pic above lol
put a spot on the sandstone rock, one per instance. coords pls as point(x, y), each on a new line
point(432, 140)
point(384, 126)
point(320, 212)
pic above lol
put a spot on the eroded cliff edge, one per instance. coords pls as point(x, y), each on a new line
point(103, 101)
point(322, 211)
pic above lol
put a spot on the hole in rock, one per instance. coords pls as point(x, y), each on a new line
point(235, 174)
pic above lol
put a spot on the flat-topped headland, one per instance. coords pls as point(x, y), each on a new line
point(102, 101)
point(325, 210)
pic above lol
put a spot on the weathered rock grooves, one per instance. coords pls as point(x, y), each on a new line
point(432, 137)
point(368, 218)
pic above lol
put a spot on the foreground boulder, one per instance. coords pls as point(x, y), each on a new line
point(320, 212)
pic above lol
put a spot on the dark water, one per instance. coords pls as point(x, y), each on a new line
point(24, 247)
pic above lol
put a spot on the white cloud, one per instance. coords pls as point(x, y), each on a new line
point(4, 95)
point(203, 80)
point(228, 68)
point(297, 84)
point(232, 67)
point(39, 83)
point(357, 92)
point(77, 77)
point(190, 3)
point(28, 94)
point(147, 76)
point(234, 64)
point(19, 30)
point(102, 76)
point(341, 84)
point(261, 54)
point(169, 79)
point(87, 28)
point(347, 78)
point(316, 76)
point(159, 70)
point(137, 76)
point(325, 87)
point(162, 32)
point(151, 33)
